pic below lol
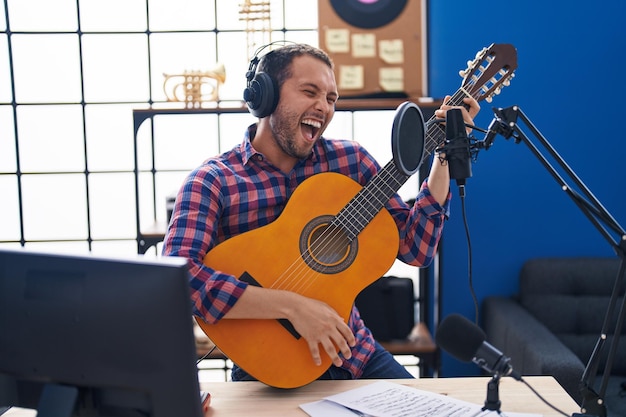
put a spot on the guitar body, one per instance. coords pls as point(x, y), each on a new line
point(273, 256)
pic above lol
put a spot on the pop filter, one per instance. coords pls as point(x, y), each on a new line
point(407, 138)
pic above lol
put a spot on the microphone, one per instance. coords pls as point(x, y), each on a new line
point(466, 342)
point(492, 132)
point(457, 147)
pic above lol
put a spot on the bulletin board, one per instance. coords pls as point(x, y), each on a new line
point(378, 46)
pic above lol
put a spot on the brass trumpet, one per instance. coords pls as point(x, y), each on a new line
point(194, 87)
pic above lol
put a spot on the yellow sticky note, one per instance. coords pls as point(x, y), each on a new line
point(391, 79)
point(351, 77)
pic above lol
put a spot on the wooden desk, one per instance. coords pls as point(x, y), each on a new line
point(257, 399)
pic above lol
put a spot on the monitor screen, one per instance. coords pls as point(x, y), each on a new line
point(88, 335)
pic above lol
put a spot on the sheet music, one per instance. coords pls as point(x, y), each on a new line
point(387, 399)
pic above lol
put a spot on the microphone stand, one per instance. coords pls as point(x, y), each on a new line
point(505, 124)
point(492, 402)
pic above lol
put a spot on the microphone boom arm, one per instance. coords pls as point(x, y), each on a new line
point(505, 124)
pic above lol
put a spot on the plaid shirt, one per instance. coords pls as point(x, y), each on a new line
point(239, 191)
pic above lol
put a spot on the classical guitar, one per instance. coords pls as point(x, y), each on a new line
point(332, 240)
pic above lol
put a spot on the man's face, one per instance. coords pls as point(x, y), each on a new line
point(306, 106)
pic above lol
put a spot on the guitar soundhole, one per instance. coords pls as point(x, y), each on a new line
point(326, 248)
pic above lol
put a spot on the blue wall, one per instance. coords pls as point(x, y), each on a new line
point(570, 84)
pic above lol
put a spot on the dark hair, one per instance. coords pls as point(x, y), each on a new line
point(277, 63)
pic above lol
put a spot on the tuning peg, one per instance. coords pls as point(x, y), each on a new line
point(507, 82)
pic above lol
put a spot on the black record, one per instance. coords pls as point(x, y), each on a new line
point(368, 14)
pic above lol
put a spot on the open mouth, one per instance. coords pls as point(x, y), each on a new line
point(310, 128)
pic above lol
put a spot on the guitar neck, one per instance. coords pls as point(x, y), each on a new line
point(373, 197)
point(370, 200)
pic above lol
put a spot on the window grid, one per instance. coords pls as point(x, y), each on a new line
point(13, 175)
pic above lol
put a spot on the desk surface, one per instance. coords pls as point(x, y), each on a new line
point(257, 399)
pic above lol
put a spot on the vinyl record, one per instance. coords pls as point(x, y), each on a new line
point(368, 14)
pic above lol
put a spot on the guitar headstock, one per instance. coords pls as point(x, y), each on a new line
point(492, 69)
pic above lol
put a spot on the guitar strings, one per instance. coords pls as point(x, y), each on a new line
point(296, 275)
point(329, 242)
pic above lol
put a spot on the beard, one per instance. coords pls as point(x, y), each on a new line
point(285, 126)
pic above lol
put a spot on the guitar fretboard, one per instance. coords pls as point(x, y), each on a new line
point(357, 214)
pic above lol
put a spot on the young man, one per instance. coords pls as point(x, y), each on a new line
point(248, 187)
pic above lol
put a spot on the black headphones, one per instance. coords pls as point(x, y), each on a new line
point(261, 92)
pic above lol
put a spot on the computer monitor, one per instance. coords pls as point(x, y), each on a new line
point(87, 335)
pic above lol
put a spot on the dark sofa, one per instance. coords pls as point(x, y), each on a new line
point(553, 324)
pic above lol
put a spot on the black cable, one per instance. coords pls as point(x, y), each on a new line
point(465, 222)
point(206, 355)
point(469, 252)
point(543, 399)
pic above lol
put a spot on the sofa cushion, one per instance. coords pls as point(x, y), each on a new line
point(570, 296)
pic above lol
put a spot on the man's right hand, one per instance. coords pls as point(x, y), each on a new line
point(320, 325)
point(317, 322)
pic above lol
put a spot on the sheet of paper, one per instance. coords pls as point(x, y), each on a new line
point(325, 408)
point(387, 399)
